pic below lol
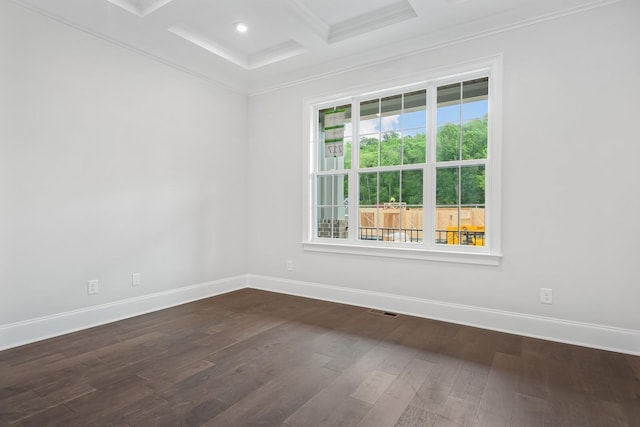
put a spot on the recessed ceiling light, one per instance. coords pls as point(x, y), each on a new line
point(242, 28)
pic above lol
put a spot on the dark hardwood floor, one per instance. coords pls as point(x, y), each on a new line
point(254, 358)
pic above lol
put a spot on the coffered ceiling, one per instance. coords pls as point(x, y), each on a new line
point(292, 40)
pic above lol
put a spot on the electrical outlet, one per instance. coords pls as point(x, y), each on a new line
point(546, 296)
point(135, 279)
point(93, 287)
point(289, 265)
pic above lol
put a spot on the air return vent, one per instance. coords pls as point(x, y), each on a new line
point(382, 313)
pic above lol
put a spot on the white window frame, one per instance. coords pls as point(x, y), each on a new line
point(490, 253)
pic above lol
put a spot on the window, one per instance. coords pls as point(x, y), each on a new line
point(408, 172)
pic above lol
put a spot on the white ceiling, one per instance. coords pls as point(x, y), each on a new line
point(293, 40)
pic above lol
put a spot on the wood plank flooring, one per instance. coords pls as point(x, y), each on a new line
point(255, 358)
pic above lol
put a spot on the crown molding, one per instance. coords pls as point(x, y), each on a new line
point(435, 46)
point(244, 88)
point(317, 25)
point(370, 21)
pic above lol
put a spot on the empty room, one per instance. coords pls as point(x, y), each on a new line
point(300, 213)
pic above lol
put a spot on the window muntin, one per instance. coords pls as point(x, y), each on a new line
point(401, 197)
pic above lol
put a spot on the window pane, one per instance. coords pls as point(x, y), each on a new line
point(340, 223)
point(369, 127)
point(475, 111)
point(446, 186)
point(472, 183)
point(332, 190)
point(332, 208)
point(475, 94)
point(472, 226)
point(370, 209)
point(460, 210)
point(390, 109)
point(448, 143)
point(389, 217)
point(472, 211)
point(368, 189)
point(391, 206)
point(414, 146)
point(448, 123)
point(325, 191)
point(325, 163)
point(414, 124)
point(369, 117)
point(332, 223)
point(389, 187)
point(447, 206)
point(449, 103)
point(412, 207)
point(369, 226)
point(412, 187)
point(391, 149)
point(415, 110)
point(324, 222)
point(347, 152)
point(369, 150)
point(332, 155)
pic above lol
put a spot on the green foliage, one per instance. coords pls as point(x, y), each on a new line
point(461, 185)
point(395, 150)
point(472, 184)
point(474, 139)
point(392, 150)
point(448, 143)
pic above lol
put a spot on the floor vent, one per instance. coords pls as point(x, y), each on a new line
point(383, 313)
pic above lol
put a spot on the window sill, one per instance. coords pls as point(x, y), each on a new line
point(404, 252)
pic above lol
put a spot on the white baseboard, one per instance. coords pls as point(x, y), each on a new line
point(28, 331)
point(584, 334)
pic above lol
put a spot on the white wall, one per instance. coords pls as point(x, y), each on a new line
point(110, 163)
point(570, 177)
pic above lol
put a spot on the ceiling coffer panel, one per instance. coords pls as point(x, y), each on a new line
point(140, 8)
point(343, 20)
point(264, 42)
point(248, 61)
point(292, 41)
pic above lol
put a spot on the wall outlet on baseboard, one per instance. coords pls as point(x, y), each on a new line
point(135, 279)
point(546, 296)
point(289, 265)
point(93, 287)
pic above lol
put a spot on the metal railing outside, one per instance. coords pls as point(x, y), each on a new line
point(413, 235)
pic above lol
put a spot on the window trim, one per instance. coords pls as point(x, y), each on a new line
point(485, 255)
